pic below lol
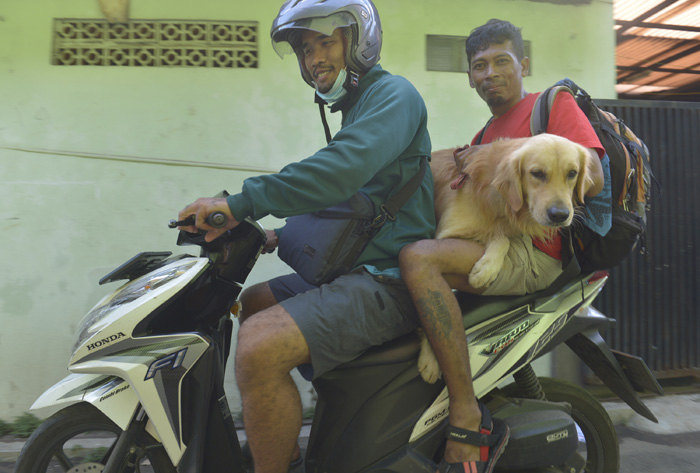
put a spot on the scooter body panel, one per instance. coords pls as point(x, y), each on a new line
point(495, 343)
point(593, 350)
point(365, 414)
point(154, 367)
point(111, 395)
point(540, 432)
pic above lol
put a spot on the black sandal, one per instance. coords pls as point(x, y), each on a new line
point(296, 466)
point(492, 438)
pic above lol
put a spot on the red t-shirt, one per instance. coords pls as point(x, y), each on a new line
point(565, 119)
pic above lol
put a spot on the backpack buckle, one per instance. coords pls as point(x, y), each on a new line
point(381, 219)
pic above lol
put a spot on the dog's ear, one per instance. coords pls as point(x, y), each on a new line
point(508, 180)
point(468, 164)
point(461, 156)
point(584, 182)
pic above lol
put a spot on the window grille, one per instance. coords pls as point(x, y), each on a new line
point(447, 53)
point(155, 43)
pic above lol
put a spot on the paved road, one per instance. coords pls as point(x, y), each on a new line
point(672, 445)
point(643, 452)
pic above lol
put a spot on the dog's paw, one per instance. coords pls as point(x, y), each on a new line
point(490, 264)
point(483, 274)
point(427, 363)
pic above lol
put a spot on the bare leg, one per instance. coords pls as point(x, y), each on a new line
point(431, 269)
point(255, 299)
point(270, 345)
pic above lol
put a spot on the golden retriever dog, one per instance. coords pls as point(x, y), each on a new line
point(492, 192)
point(489, 193)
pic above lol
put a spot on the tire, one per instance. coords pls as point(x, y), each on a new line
point(597, 435)
point(59, 444)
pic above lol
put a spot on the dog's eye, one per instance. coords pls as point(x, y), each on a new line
point(572, 174)
point(537, 174)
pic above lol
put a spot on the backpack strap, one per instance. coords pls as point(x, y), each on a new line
point(539, 119)
point(641, 150)
point(569, 263)
point(481, 133)
point(391, 207)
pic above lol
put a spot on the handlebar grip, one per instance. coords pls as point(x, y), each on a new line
point(217, 219)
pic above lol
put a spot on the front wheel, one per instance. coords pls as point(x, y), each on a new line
point(596, 432)
point(80, 438)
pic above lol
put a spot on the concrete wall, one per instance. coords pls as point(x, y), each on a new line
point(95, 160)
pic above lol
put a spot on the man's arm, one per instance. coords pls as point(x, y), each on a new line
point(384, 127)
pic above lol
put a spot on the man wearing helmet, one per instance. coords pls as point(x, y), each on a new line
point(287, 322)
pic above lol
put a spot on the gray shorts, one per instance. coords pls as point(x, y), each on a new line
point(340, 320)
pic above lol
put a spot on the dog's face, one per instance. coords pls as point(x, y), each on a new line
point(550, 175)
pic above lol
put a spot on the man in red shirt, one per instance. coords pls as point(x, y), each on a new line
point(432, 268)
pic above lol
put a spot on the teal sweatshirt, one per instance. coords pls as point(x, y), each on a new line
point(377, 150)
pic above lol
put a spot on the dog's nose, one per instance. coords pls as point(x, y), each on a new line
point(557, 214)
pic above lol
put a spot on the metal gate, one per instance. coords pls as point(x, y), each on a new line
point(656, 297)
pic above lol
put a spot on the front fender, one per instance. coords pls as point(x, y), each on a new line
point(111, 395)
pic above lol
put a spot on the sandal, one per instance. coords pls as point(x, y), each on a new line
point(492, 438)
point(296, 466)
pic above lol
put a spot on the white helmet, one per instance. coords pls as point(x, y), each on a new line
point(324, 16)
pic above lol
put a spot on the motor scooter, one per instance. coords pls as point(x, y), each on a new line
point(147, 380)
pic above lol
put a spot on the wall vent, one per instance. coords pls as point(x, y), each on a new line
point(447, 53)
point(155, 43)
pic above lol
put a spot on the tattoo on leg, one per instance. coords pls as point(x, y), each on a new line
point(435, 313)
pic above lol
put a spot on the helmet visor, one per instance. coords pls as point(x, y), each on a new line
point(287, 37)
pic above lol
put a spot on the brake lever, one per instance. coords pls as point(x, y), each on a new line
point(214, 220)
point(189, 221)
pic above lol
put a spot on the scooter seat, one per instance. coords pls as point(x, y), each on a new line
point(477, 308)
point(399, 350)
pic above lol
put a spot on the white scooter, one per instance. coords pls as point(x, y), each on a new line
point(146, 390)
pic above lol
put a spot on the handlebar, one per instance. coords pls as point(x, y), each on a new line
point(214, 220)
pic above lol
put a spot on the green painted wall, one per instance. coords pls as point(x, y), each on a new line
point(95, 160)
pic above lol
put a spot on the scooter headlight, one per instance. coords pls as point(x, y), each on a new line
point(129, 292)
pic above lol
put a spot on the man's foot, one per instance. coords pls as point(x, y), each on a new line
point(491, 440)
point(295, 466)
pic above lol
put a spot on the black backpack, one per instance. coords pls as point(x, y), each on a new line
point(631, 177)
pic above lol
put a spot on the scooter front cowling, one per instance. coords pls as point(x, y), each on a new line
point(111, 395)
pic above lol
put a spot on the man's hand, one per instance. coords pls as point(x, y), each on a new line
point(201, 209)
point(272, 241)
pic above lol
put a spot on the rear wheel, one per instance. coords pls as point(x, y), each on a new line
point(80, 438)
point(596, 432)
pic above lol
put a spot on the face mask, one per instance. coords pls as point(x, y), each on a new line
point(337, 92)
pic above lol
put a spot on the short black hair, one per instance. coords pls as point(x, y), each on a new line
point(494, 32)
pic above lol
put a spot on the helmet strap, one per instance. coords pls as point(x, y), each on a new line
point(352, 81)
point(321, 103)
